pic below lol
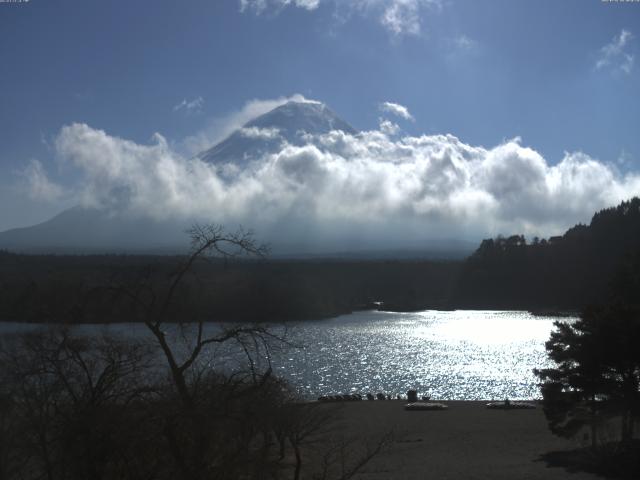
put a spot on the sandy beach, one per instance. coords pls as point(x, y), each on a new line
point(467, 441)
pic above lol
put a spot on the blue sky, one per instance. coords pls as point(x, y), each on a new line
point(563, 76)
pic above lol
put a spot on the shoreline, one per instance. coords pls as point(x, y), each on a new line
point(535, 313)
point(466, 441)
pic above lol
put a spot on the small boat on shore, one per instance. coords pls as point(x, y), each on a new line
point(509, 405)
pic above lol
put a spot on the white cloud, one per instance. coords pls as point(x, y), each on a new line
point(38, 185)
point(258, 6)
point(388, 128)
point(399, 17)
point(396, 109)
point(219, 128)
point(615, 55)
point(625, 158)
point(402, 17)
point(370, 189)
point(463, 42)
point(260, 133)
point(190, 106)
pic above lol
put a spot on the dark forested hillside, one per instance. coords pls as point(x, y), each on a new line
point(564, 272)
point(36, 288)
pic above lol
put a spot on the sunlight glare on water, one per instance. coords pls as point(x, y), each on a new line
point(457, 355)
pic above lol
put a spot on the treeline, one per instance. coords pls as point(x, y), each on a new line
point(567, 272)
point(87, 289)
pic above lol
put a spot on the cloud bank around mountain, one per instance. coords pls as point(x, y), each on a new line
point(370, 190)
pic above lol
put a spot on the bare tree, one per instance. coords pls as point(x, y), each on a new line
point(70, 401)
point(208, 433)
point(80, 407)
point(156, 309)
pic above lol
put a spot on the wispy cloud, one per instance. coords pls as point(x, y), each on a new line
point(190, 106)
point(396, 109)
point(463, 42)
point(625, 158)
point(258, 6)
point(615, 55)
point(398, 17)
point(260, 133)
point(38, 184)
point(402, 17)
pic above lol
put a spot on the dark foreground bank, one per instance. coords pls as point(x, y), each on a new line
point(467, 441)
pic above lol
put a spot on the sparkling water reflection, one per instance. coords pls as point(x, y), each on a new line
point(458, 355)
point(452, 355)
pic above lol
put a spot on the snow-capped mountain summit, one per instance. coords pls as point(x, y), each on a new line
point(291, 122)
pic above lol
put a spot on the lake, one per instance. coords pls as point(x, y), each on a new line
point(454, 355)
point(449, 355)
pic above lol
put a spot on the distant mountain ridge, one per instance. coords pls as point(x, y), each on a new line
point(102, 233)
point(90, 230)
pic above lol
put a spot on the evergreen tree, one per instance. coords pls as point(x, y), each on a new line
point(597, 377)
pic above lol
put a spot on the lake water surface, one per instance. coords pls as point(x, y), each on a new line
point(456, 355)
point(452, 355)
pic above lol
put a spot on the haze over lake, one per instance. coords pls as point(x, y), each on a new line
point(452, 355)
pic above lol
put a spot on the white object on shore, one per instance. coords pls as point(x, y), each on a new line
point(508, 405)
point(425, 406)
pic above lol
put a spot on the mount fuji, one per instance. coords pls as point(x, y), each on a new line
point(88, 230)
point(294, 123)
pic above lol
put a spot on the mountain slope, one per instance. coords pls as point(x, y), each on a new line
point(266, 133)
point(90, 230)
